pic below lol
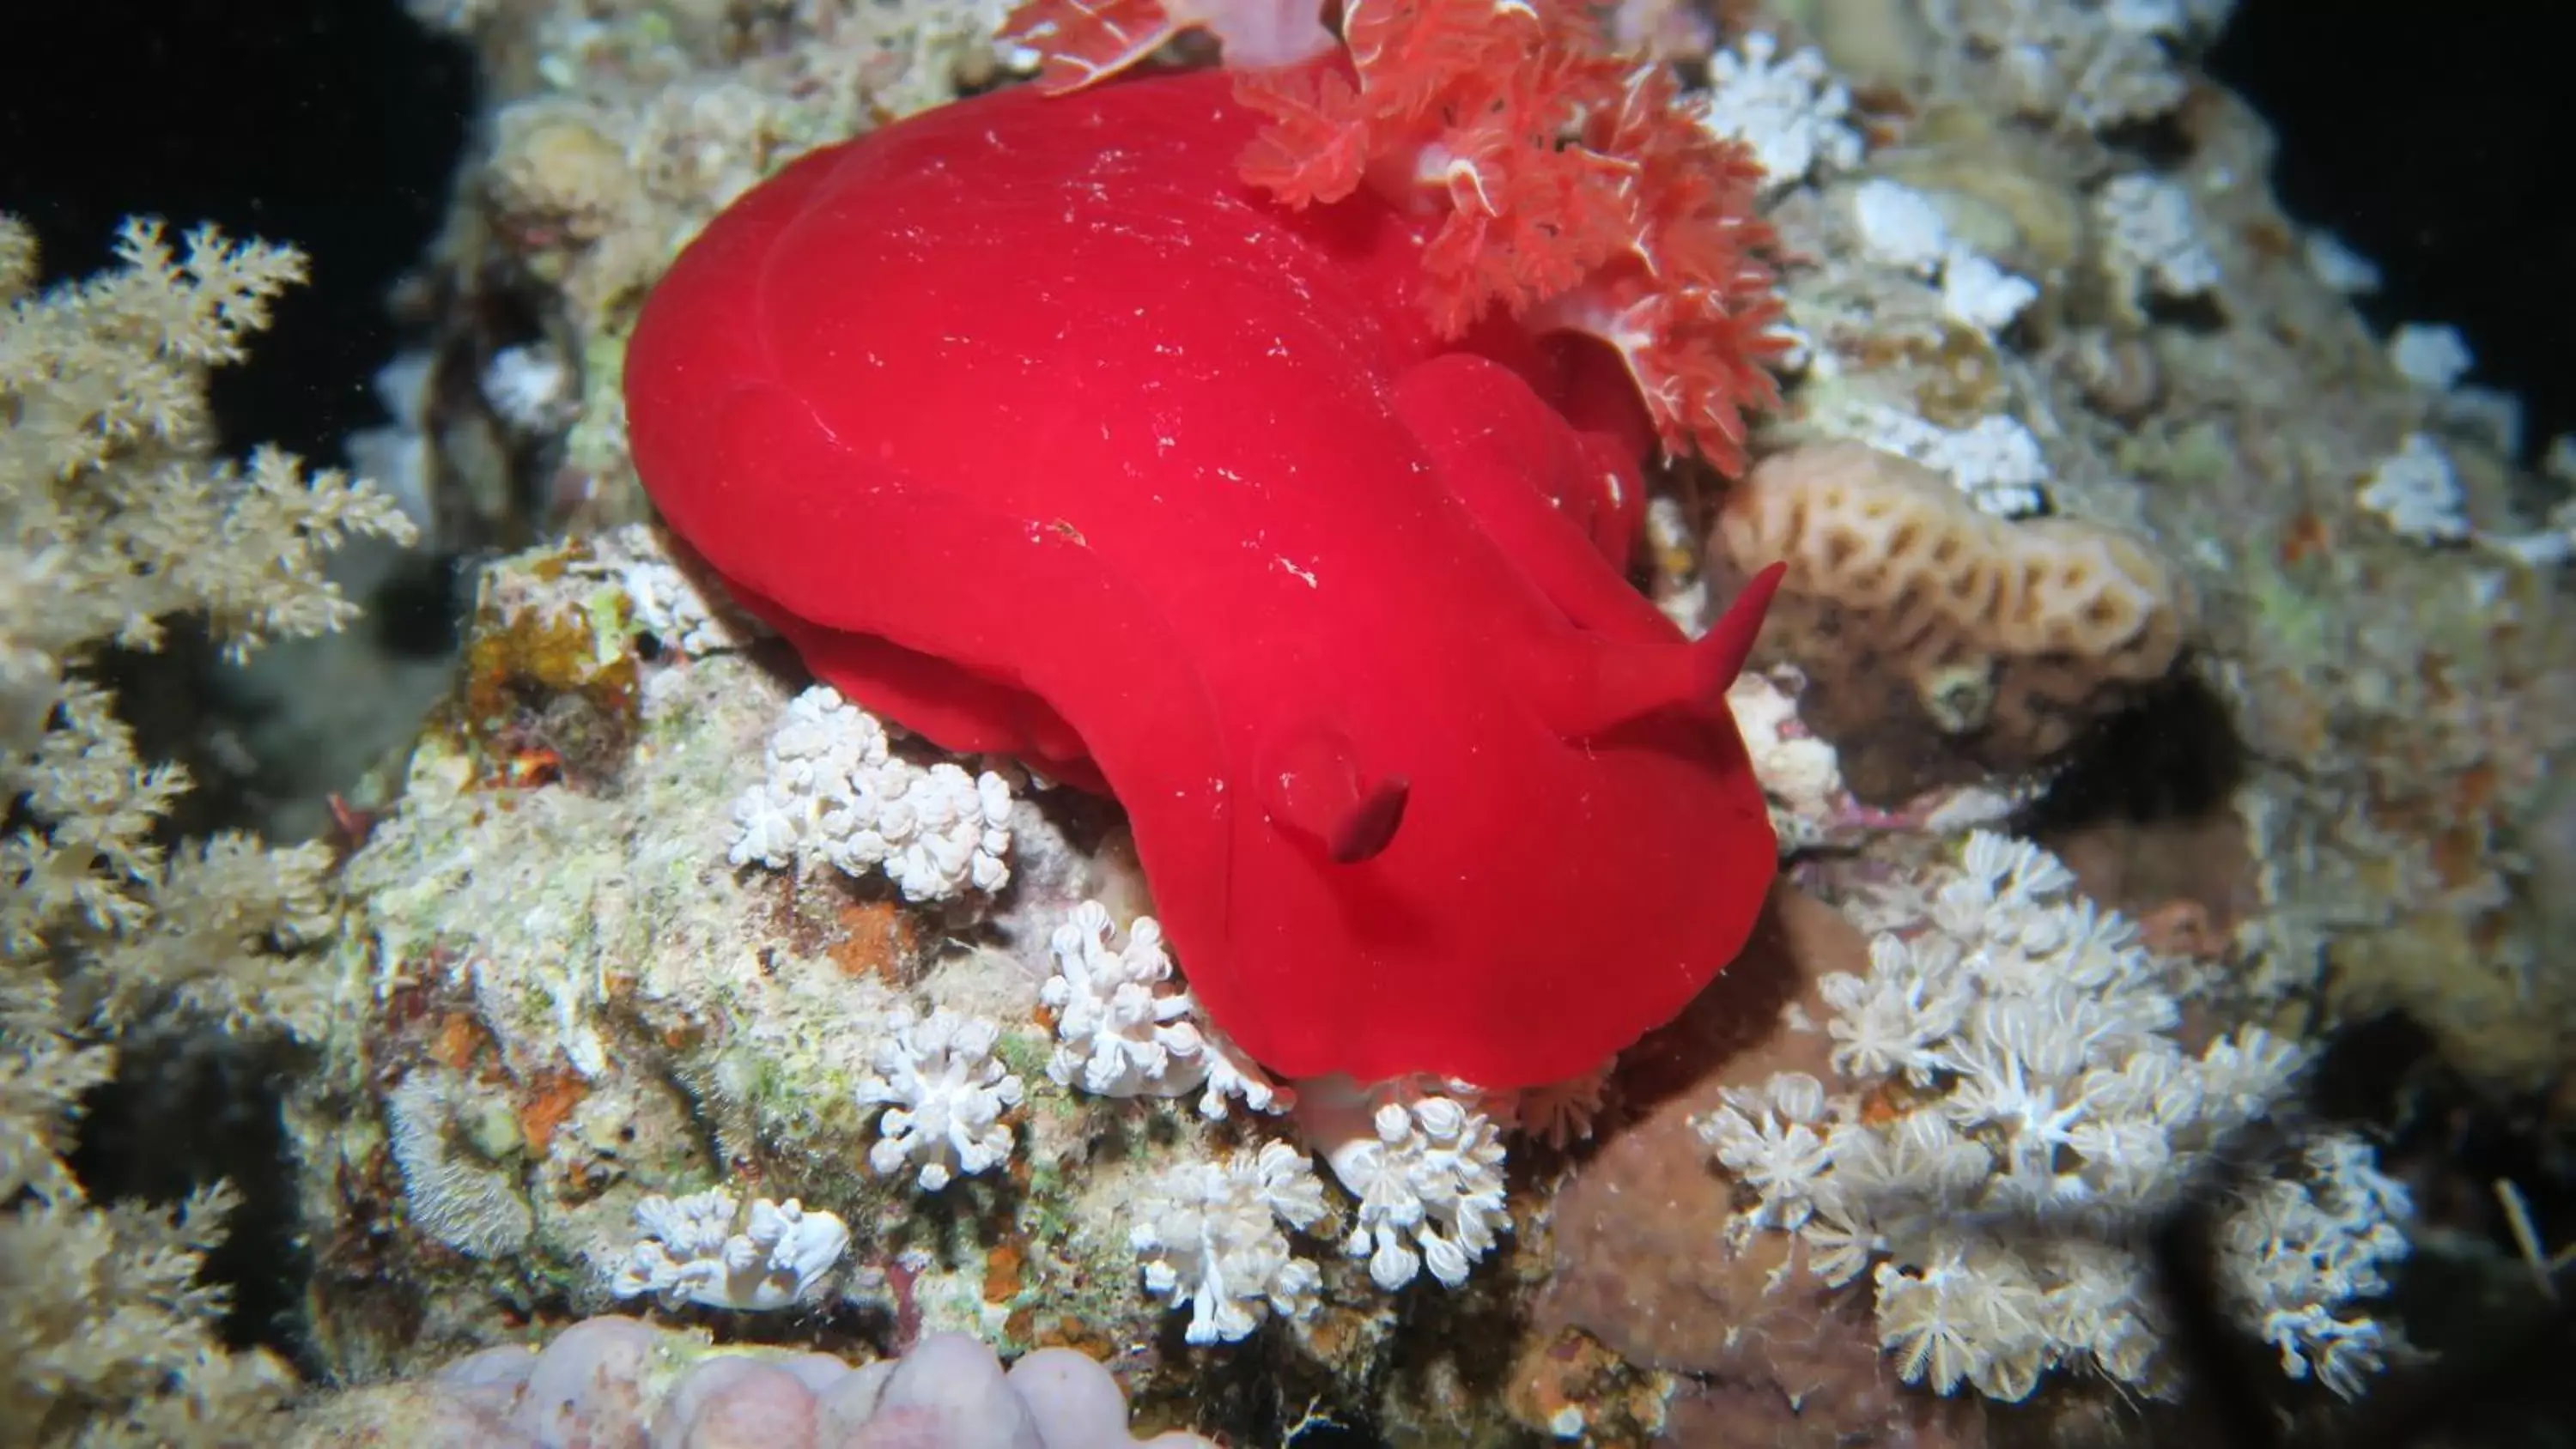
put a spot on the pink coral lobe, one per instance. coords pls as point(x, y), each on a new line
point(1036, 428)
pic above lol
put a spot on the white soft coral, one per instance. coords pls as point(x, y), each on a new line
point(1767, 1136)
point(1428, 1173)
point(944, 1093)
point(2085, 63)
point(2300, 1249)
point(834, 790)
point(1211, 1239)
point(1125, 1027)
point(2417, 493)
point(2045, 1116)
point(675, 605)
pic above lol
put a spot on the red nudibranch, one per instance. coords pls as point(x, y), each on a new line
point(1264, 448)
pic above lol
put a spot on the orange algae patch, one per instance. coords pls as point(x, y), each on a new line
point(459, 1037)
point(544, 1109)
point(878, 939)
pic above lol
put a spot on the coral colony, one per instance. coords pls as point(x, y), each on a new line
point(1127, 817)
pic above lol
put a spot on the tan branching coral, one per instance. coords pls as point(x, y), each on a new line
point(113, 520)
point(1941, 642)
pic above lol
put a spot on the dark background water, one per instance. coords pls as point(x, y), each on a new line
point(333, 124)
point(2440, 142)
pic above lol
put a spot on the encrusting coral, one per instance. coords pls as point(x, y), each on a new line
point(453, 1146)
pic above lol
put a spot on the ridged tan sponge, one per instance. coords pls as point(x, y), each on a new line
point(1941, 642)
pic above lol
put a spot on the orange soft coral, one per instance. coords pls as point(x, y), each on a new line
point(1574, 192)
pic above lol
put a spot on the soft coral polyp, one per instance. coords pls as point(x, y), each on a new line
point(1035, 427)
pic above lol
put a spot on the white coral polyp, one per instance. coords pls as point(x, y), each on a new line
point(944, 1093)
point(1791, 114)
point(2417, 493)
point(690, 1252)
point(1995, 460)
point(2324, 1239)
point(1903, 228)
point(1211, 1239)
point(1899, 226)
point(1428, 1173)
point(1125, 1027)
point(2152, 236)
point(1794, 767)
point(833, 790)
point(1976, 292)
point(667, 601)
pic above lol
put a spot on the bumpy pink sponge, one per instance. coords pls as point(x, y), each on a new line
point(1037, 429)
